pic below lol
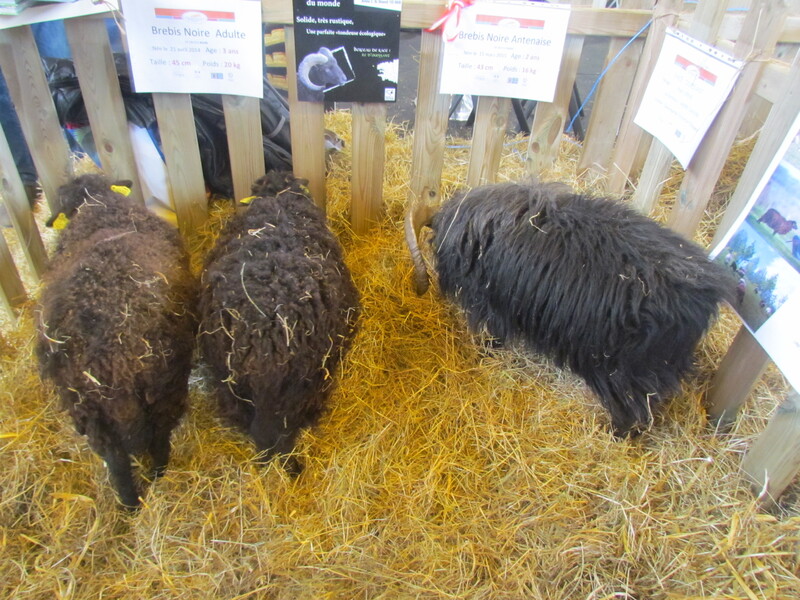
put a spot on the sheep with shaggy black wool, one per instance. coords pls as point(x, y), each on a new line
point(589, 282)
point(278, 309)
point(116, 327)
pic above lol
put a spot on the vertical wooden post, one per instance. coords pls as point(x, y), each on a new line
point(742, 366)
point(705, 24)
point(97, 76)
point(757, 39)
point(22, 68)
point(308, 131)
point(550, 118)
point(491, 120)
point(609, 107)
point(430, 124)
point(665, 14)
point(746, 360)
point(182, 156)
point(16, 201)
point(369, 126)
point(245, 141)
point(774, 458)
point(778, 122)
point(12, 292)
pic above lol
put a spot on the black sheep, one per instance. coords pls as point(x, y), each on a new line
point(117, 327)
point(278, 309)
point(589, 282)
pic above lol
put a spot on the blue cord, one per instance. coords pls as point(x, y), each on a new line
point(602, 74)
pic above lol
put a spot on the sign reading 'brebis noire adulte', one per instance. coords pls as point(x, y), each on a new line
point(347, 50)
point(202, 47)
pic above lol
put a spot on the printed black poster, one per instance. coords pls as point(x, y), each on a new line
point(347, 50)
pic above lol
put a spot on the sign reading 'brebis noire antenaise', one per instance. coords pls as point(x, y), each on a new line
point(347, 50)
point(202, 46)
point(509, 49)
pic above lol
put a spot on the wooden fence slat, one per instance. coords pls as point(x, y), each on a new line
point(771, 81)
point(16, 202)
point(609, 107)
point(743, 364)
point(653, 177)
point(182, 157)
point(731, 385)
point(630, 135)
point(419, 14)
point(705, 23)
point(245, 141)
point(733, 23)
point(369, 128)
point(307, 131)
point(774, 459)
point(489, 131)
point(778, 122)
point(22, 68)
point(550, 117)
point(12, 292)
point(99, 83)
point(612, 97)
point(430, 124)
point(757, 40)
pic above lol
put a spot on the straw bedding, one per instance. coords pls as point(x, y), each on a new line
point(442, 470)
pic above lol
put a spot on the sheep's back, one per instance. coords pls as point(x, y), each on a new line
point(277, 302)
point(117, 329)
point(113, 211)
point(587, 281)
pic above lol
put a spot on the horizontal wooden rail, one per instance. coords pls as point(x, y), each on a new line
point(614, 22)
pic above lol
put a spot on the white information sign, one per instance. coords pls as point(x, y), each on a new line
point(508, 49)
point(762, 249)
point(202, 46)
point(689, 84)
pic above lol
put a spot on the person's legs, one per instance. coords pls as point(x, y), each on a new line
point(16, 140)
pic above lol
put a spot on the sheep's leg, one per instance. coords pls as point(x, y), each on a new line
point(160, 451)
point(109, 447)
point(121, 475)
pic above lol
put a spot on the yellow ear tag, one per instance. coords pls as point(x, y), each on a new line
point(121, 189)
point(61, 221)
point(247, 200)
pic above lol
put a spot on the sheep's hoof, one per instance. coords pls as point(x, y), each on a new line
point(158, 472)
point(292, 466)
point(129, 505)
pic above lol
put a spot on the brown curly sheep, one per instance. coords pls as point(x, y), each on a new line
point(278, 309)
point(117, 327)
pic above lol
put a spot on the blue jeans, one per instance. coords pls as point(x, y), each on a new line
point(16, 140)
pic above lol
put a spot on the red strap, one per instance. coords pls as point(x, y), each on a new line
point(451, 18)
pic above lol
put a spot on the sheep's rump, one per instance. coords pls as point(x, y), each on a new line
point(278, 309)
point(116, 332)
point(591, 283)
